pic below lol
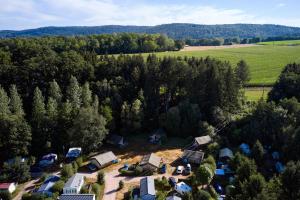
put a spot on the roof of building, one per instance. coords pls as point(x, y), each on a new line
point(151, 159)
point(4, 186)
point(203, 140)
point(220, 172)
point(193, 155)
point(173, 198)
point(226, 152)
point(48, 183)
point(105, 158)
point(74, 152)
point(77, 197)
point(74, 181)
point(115, 139)
point(147, 186)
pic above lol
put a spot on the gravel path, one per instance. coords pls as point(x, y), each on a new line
point(112, 182)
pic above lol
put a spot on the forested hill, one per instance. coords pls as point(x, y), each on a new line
point(176, 31)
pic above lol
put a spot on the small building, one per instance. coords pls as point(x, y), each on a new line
point(47, 185)
point(117, 140)
point(225, 153)
point(104, 159)
point(74, 184)
point(190, 156)
point(182, 188)
point(157, 136)
point(200, 142)
point(173, 198)
point(77, 197)
point(147, 188)
point(150, 162)
point(220, 172)
point(74, 153)
point(245, 149)
point(9, 187)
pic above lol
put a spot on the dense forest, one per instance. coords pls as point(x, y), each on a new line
point(175, 31)
point(57, 92)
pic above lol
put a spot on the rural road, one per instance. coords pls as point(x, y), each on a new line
point(112, 182)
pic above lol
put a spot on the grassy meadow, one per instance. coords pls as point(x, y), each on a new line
point(282, 43)
point(265, 61)
point(256, 93)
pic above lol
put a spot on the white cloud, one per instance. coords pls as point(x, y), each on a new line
point(280, 5)
point(21, 14)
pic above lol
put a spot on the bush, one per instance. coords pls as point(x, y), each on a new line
point(121, 185)
point(138, 170)
point(100, 178)
point(58, 186)
point(67, 171)
point(4, 195)
point(79, 161)
point(75, 167)
point(96, 189)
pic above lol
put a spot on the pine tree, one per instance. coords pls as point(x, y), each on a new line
point(16, 105)
point(38, 107)
point(55, 91)
point(242, 72)
point(74, 94)
point(95, 104)
point(52, 108)
point(86, 95)
point(4, 103)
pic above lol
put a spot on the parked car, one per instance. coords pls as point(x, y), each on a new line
point(188, 169)
point(179, 169)
point(163, 169)
point(172, 181)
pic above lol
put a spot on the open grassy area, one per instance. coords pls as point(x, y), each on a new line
point(282, 43)
point(255, 94)
point(265, 61)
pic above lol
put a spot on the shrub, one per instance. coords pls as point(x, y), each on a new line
point(100, 178)
point(121, 184)
point(96, 189)
point(58, 186)
point(138, 170)
point(75, 166)
point(4, 195)
point(67, 171)
point(79, 161)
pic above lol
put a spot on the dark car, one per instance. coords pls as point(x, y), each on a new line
point(218, 188)
point(172, 181)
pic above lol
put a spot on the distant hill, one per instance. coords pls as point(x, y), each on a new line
point(176, 31)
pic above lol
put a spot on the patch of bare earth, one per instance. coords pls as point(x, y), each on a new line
point(203, 48)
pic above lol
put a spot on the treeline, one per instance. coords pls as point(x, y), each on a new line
point(176, 31)
point(99, 44)
point(52, 99)
point(222, 41)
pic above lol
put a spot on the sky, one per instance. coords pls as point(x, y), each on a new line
point(26, 14)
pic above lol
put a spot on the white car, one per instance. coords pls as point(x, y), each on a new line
point(179, 169)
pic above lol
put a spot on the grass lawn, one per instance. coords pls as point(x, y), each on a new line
point(265, 61)
point(282, 43)
point(254, 94)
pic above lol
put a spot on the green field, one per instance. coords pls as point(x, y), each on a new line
point(265, 61)
point(255, 94)
point(282, 43)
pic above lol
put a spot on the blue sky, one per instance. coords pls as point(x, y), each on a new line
point(24, 14)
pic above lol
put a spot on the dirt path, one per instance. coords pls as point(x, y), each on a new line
point(112, 182)
point(203, 48)
point(26, 188)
